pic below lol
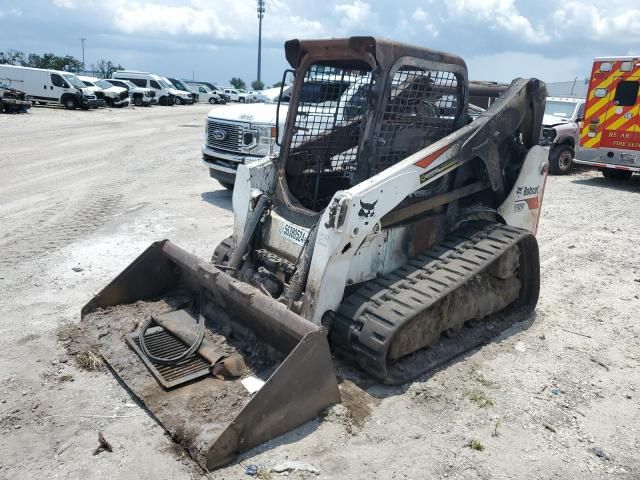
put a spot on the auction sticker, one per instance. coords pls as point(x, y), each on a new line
point(295, 234)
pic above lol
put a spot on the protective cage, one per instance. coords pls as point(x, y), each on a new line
point(360, 113)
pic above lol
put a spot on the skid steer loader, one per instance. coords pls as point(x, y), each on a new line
point(389, 218)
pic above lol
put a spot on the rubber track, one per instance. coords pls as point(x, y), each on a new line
point(367, 320)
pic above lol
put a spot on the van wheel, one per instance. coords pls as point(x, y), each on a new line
point(137, 101)
point(614, 174)
point(171, 102)
point(179, 101)
point(212, 100)
point(242, 100)
point(561, 159)
point(70, 103)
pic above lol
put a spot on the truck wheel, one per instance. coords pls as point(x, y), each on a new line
point(222, 253)
point(70, 103)
point(171, 102)
point(137, 101)
point(614, 174)
point(228, 186)
point(179, 101)
point(242, 100)
point(212, 100)
point(560, 159)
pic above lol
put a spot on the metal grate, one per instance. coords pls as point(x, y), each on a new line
point(227, 136)
point(422, 108)
point(162, 343)
point(327, 129)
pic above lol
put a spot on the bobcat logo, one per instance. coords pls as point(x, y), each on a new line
point(367, 211)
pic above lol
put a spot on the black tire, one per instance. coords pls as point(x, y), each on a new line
point(179, 101)
point(171, 101)
point(227, 185)
point(137, 101)
point(108, 102)
point(212, 100)
point(561, 159)
point(222, 253)
point(242, 100)
point(222, 101)
point(614, 174)
point(70, 103)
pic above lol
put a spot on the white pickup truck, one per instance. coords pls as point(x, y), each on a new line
point(239, 134)
point(561, 125)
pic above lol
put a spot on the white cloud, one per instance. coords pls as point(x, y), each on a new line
point(353, 15)
point(151, 18)
point(618, 22)
point(498, 15)
point(72, 3)
point(421, 17)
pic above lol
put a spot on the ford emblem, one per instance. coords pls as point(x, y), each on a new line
point(219, 134)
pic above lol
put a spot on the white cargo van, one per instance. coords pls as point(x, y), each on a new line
point(164, 92)
point(50, 87)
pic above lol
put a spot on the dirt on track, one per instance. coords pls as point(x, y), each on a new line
point(86, 192)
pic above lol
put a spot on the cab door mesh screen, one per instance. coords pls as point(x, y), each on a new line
point(422, 107)
point(328, 125)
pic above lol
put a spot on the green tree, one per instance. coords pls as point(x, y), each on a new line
point(105, 68)
point(257, 85)
point(237, 82)
point(54, 62)
point(12, 57)
point(277, 85)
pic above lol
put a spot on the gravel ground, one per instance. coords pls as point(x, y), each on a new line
point(85, 192)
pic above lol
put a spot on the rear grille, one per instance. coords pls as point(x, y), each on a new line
point(231, 133)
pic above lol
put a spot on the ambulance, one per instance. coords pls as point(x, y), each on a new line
point(611, 125)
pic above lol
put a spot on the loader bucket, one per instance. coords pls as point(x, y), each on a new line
point(213, 417)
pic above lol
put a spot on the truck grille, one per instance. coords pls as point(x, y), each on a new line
point(231, 134)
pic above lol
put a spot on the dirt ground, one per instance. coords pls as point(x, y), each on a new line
point(86, 192)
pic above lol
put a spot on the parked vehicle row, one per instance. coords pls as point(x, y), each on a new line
point(52, 87)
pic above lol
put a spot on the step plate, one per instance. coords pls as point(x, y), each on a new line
point(161, 343)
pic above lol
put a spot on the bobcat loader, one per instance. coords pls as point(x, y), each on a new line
point(388, 219)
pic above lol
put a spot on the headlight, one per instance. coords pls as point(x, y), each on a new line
point(548, 135)
point(266, 140)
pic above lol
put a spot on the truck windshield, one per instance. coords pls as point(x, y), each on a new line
point(560, 109)
point(73, 80)
point(104, 84)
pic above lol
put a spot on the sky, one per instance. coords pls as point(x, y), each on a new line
point(214, 40)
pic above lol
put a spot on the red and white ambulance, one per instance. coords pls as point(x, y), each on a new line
point(612, 117)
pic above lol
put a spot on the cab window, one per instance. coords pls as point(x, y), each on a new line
point(580, 115)
point(57, 81)
point(140, 82)
point(202, 90)
point(155, 84)
point(626, 93)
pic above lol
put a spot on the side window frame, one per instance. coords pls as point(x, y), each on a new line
point(58, 81)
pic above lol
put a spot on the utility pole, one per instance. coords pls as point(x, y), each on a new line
point(84, 69)
point(260, 17)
